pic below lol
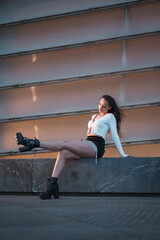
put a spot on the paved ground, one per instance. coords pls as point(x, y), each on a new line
point(79, 218)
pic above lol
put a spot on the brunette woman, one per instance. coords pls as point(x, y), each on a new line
point(107, 120)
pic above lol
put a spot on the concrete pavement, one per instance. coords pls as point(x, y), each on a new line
point(79, 218)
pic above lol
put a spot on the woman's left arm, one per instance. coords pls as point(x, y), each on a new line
point(113, 128)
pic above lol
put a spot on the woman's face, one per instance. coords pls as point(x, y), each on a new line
point(103, 106)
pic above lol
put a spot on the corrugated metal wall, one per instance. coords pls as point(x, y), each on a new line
point(58, 57)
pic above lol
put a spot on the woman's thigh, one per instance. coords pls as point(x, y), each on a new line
point(80, 148)
point(68, 155)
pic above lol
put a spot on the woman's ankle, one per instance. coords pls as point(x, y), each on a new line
point(54, 180)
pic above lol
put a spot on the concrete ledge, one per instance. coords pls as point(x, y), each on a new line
point(110, 175)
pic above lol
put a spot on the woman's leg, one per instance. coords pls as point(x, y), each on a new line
point(79, 148)
point(68, 150)
point(84, 150)
point(63, 155)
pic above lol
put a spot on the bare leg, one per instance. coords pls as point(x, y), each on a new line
point(68, 150)
point(60, 161)
point(80, 148)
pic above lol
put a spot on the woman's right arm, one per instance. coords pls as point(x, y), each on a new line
point(113, 128)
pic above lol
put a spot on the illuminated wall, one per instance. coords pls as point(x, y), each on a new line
point(58, 57)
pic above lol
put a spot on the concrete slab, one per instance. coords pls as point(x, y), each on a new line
point(110, 175)
point(77, 218)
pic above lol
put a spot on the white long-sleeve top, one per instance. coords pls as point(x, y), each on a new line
point(101, 126)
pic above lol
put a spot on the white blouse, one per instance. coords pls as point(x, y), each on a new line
point(101, 127)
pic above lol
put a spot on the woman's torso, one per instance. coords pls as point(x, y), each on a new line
point(98, 126)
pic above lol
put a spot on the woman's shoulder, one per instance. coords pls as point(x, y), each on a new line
point(109, 116)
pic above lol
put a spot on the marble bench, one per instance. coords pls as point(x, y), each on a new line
point(110, 175)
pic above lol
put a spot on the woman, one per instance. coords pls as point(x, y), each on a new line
point(108, 119)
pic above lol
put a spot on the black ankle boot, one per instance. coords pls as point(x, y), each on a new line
point(28, 143)
point(51, 189)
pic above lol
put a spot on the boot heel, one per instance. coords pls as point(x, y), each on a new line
point(56, 194)
point(24, 149)
point(52, 189)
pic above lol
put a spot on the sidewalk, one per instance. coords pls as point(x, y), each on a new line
point(79, 218)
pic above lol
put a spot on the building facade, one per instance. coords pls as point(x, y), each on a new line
point(57, 58)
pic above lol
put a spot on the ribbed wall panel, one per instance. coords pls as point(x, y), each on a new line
point(75, 127)
point(141, 88)
point(125, 65)
point(141, 124)
point(129, 89)
point(18, 10)
point(144, 17)
point(57, 98)
point(93, 26)
point(82, 61)
point(63, 31)
point(142, 52)
point(140, 150)
point(62, 64)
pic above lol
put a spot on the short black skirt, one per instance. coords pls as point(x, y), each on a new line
point(100, 144)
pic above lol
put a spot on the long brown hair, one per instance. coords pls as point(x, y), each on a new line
point(118, 113)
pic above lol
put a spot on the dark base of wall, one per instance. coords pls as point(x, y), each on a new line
point(111, 176)
point(73, 194)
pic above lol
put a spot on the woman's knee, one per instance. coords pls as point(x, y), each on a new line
point(65, 144)
point(64, 154)
point(67, 154)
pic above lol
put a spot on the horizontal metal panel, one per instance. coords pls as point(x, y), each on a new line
point(17, 10)
point(139, 124)
point(142, 123)
point(142, 52)
point(80, 28)
point(62, 64)
point(63, 31)
point(143, 17)
point(145, 150)
point(131, 89)
point(142, 150)
point(141, 88)
point(57, 98)
point(82, 61)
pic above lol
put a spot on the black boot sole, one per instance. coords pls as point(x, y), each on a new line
point(44, 198)
point(20, 138)
point(55, 194)
point(49, 197)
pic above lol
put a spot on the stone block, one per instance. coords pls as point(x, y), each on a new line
point(16, 175)
point(42, 170)
point(110, 175)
